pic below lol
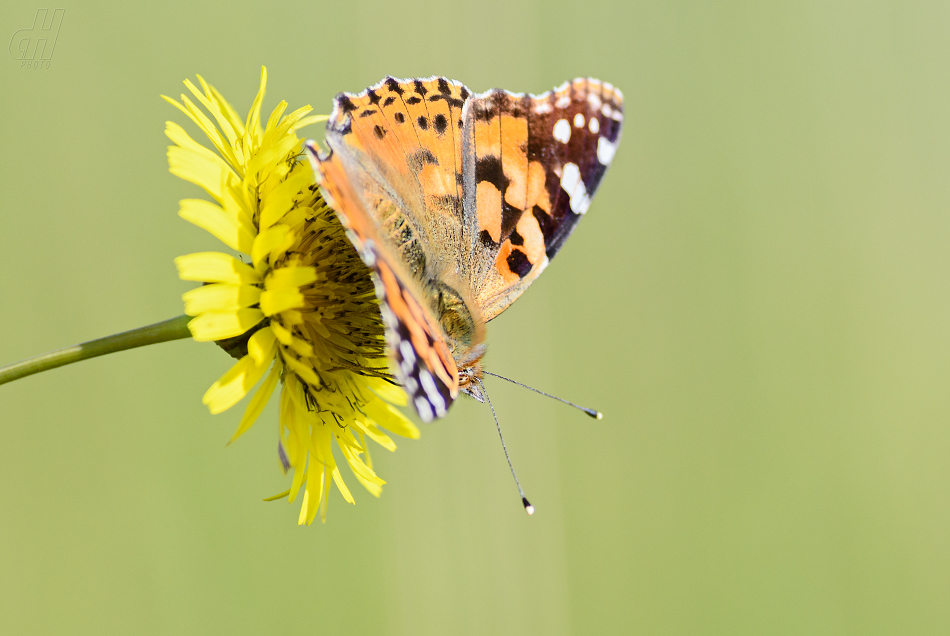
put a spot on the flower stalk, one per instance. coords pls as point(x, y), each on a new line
point(165, 331)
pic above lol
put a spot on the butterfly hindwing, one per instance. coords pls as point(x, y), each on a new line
point(423, 363)
point(538, 161)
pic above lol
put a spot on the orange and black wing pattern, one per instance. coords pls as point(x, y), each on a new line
point(536, 162)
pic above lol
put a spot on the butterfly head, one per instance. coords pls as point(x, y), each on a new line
point(470, 381)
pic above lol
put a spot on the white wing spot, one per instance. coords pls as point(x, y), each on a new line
point(573, 185)
point(562, 131)
point(423, 408)
point(432, 392)
point(594, 125)
point(607, 110)
point(605, 151)
point(570, 177)
point(563, 101)
point(594, 100)
point(543, 108)
point(368, 253)
point(408, 353)
point(579, 120)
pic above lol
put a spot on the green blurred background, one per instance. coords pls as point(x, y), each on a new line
point(759, 301)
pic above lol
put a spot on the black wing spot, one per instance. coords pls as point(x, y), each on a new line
point(515, 238)
point(547, 223)
point(400, 118)
point(464, 93)
point(518, 263)
point(423, 123)
point(380, 131)
point(510, 216)
point(489, 169)
point(487, 240)
point(441, 123)
point(373, 97)
point(346, 103)
point(413, 100)
point(418, 160)
point(368, 113)
point(420, 88)
point(394, 86)
point(484, 112)
point(389, 101)
point(444, 86)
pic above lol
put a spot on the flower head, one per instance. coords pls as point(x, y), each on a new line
point(301, 310)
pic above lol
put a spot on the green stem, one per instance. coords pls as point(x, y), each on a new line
point(173, 329)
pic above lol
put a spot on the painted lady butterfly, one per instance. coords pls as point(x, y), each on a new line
point(457, 202)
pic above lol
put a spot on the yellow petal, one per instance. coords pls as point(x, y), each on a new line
point(233, 118)
point(262, 345)
point(290, 278)
point(274, 302)
point(278, 496)
point(207, 127)
point(307, 121)
point(193, 162)
point(359, 468)
point(338, 480)
point(214, 108)
point(234, 384)
point(275, 239)
point(275, 115)
point(218, 325)
point(280, 200)
point(253, 125)
point(389, 418)
point(389, 392)
point(257, 403)
point(377, 435)
point(223, 226)
point(305, 371)
point(215, 267)
point(288, 339)
point(220, 297)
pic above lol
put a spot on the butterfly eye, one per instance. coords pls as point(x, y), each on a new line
point(464, 380)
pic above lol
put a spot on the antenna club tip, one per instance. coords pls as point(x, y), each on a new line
point(597, 415)
point(600, 415)
point(527, 506)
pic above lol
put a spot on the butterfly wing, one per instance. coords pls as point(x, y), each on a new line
point(533, 163)
point(392, 175)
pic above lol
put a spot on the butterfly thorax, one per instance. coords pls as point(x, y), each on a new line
point(464, 333)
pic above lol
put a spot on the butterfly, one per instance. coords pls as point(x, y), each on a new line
point(457, 202)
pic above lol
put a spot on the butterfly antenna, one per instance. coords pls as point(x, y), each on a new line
point(597, 415)
point(524, 500)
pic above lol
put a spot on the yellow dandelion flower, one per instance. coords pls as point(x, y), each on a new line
point(300, 309)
